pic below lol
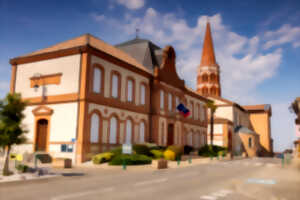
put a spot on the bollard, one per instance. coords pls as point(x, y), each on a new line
point(190, 160)
point(35, 161)
point(124, 165)
point(282, 161)
point(211, 158)
point(178, 162)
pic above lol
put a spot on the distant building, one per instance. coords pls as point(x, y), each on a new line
point(296, 109)
point(240, 128)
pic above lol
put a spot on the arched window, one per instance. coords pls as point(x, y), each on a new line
point(213, 91)
point(94, 130)
point(142, 132)
point(212, 77)
point(128, 131)
point(130, 90)
point(162, 133)
point(196, 112)
point(204, 78)
point(97, 80)
point(143, 94)
point(170, 106)
point(162, 99)
point(113, 130)
point(190, 139)
point(204, 90)
point(115, 84)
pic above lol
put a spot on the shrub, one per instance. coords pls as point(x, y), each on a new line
point(157, 153)
point(210, 151)
point(169, 155)
point(187, 149)
point(141, 149)
point(22, 168)
point(116, 151)
point(102, 157)
point(178, 150)
point(133, 159)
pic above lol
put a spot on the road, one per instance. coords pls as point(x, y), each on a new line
point(240, 179)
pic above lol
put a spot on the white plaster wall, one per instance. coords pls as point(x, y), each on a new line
point(225, 112)
point(108, 67)
point(218, 129)
point(69, 66)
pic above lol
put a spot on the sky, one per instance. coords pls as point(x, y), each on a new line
point(257, 43)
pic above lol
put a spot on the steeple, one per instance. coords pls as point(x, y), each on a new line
point(208, 79)
point(208, 54)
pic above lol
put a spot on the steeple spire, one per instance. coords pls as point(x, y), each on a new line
point(208, 54)
point(208, 79)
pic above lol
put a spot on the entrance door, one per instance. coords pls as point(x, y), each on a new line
point(41, 135)
point(229, 141)
point(170, 138)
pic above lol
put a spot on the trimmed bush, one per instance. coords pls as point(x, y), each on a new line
point(141, 149)
point(210, 151)
point(133, 159)
point(116, 151)
point(188, 149)
point(157, 153)
point(22, 168)
point(169, 155)
point(178, 150)
point(102, 157)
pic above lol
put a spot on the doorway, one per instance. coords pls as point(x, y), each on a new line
point(170, 136)
point(41, 135)
point(230, 141)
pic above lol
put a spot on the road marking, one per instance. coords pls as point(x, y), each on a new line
point(80, 194)
point(151, 182)
point(206, 197)
point(261, 181)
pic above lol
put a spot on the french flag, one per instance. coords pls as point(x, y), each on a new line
point(183, 110)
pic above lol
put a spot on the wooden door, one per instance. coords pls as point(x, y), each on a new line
point(42, 133)
point(170, 139)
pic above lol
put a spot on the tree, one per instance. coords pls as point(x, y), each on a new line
point(11, 129)
point(212, 107)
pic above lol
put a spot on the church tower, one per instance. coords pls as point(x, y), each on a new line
point(208, 77)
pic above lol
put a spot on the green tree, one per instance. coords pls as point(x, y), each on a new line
point(11, 129)
point(212, 107)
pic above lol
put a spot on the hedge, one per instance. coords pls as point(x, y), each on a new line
point(156, 154)
point(188, 149)
point(178, 150)
point(211, 151)
point(141, 149)
point(133, 159)
point(102, 157)
point(169, 155)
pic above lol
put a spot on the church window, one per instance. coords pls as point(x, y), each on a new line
point(205, 78)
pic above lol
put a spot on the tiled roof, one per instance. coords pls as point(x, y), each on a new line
point(95, 42)
point(208, 54)
point(261, 107)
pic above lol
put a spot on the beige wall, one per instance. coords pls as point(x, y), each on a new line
point(261, 125)
point(69, 66)
point(225, 112)
point(253, 150)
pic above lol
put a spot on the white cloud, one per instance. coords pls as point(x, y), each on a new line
point(285, 34)
point(243, 65)
point(132, 4)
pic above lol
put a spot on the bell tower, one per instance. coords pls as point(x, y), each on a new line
point(208, 77)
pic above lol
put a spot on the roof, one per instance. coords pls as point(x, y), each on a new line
point(220, 120)
point(229, 103)
point(208, 54)
point(144, 51)
point(259, 108)
point(243, 129)
point(88, 39)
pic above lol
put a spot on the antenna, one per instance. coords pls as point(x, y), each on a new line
point(137, 30)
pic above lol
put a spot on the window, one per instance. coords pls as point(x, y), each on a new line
point(190, 139)
point(213, 77)
point(204, 91)
point(113, 130)
point(130, 90)
point(177, 101)
point(115, 86)
point(170, 102)
point(196, 112)
point(97, 79)
point(142, 132)
point(162, 98)
point(94, 131)
point(250, 142)
point(128, 131)
point(143, 94)
point(205, 78)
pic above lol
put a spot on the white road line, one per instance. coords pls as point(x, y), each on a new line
point(151, 182)
point(222, 193)
point(80, 194)
point(206, 197)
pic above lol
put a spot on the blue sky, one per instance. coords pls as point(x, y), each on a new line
point(257, 43)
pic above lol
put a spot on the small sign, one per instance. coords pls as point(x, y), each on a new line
point(19, 157)
point(127, 148)
point(73, 140)
point(13, 156)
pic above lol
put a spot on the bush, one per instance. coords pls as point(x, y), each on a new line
point(178, 150)
point(116, 151)
point(22, 168)
point(188, 149)
point(141, 149)
point(102, 157)
point(169, 155)
point(133, 159)
point(210, 151)
point(157, 154)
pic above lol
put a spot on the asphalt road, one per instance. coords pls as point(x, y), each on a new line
point(240, 179)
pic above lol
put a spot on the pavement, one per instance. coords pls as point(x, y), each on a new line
point(247, 179)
